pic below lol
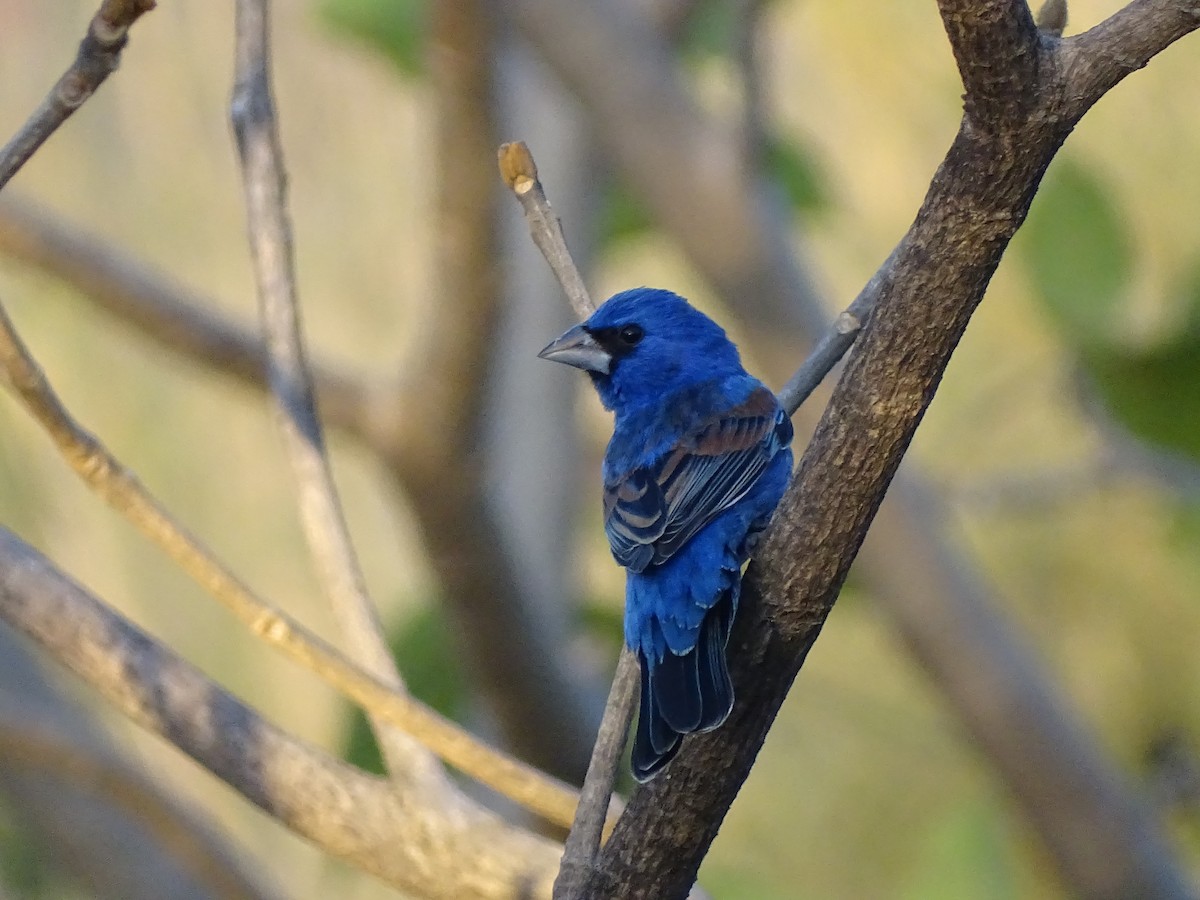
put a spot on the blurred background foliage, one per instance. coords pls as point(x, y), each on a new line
point(1065, 438)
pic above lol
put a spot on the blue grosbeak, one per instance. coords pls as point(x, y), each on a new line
point(698, 460)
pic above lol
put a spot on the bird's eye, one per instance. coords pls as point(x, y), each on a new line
point(631, 334)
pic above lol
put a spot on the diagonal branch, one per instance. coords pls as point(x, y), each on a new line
point(940, 270)
point(403, 837)
point(1098, 59)
point(122, 490)
point(99, 53)
point(180, 321)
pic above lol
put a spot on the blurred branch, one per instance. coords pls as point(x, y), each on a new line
point(113, 852)
point(388, 419)
point(1051, 17)
point(98, 56)
point(1095, 824)
point(125, 493)
point(254, 124)
point(688, 169)
point(182, 322)
point(546, 709)
point(597, 798)
point(430, 843)
point(940, 270)
point(41, 747)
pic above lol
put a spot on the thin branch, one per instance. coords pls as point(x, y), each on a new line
point(837, 339)
point(121, 489)
point(1097, 60)
point(26, 743)
point(519, 172)
point(597, 799)
point(404, 837)
point(271, 241)
point(99, 54)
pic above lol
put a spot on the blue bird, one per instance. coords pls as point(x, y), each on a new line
point(698, 460)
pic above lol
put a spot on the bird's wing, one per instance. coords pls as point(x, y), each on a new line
point(652, 511)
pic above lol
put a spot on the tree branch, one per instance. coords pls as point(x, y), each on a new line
point(99, 53)
point(976, 201)
point(519, 172)
point(113, 852)
point(832, 345)
point(37, 746)
point(995, 44)
point(121, 489)
point(180, 321)
point(433, 844)
point(270, 233)
point(1097, 60)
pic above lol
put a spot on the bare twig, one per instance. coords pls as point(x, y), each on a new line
point(254, 124)
point(125, 493)
point(99, 53)
point(833, 344)
point(519, 172)
point(597, 799)
point(403, 837)
point(1098, 59)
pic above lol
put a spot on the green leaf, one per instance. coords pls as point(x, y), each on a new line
point(711, 28)
point(395, 28)
point(621, 216)
point(424, 649)
point(795, 169)
point(605, 623)
point(1154, 392)
point(1155, 395)
point(1078, 253)
point(966, 855)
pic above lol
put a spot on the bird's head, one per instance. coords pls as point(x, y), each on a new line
point(645, 343)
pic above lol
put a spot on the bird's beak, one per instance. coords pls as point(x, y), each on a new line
point(579, 349)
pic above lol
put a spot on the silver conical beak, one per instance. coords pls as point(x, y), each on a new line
point(579, 349)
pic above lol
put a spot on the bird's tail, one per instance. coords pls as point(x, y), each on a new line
point(685, 693)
